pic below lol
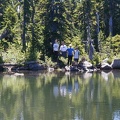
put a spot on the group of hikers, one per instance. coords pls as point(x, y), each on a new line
point(66, 52)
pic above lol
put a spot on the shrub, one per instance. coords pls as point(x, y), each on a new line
point(13, 55)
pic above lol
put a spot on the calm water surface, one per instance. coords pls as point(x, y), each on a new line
point(60, 96)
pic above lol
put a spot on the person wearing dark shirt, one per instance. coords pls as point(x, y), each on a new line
point(70, 52)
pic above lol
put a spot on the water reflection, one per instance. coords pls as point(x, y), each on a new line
point(116, 115)
point(60, 96)
point(106, 75)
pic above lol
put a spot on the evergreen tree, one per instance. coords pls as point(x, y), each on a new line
point(116, 16)
point(9, 24)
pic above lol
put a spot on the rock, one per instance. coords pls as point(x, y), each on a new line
point(50, 69)
point(87, 64)
point(106, 66)
point(74, 68)
point(1, 68)
point(116, 64)
point(71, 68)
point(67, 68)
point(34, 65)
point(105, 60)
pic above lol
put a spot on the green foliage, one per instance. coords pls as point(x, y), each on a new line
point(39, 23)
point(1, 59)
point(76, 42)
point(13, 55)
point(63, 61)
point(105, 47)
point(115, 44)
point(32, 55)
point(97, 58)
point(10, 22)
point(117, 56)
point(49, 62)
point(110, 60)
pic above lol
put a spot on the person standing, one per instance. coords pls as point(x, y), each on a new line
point(56, 49)
point(63, 49)
point(70, 52)
point(76, 55)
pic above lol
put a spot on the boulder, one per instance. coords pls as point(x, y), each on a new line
point(87, 64)
point(34, 65)
point(1, 68)
point(116, 64)
point(106, 66)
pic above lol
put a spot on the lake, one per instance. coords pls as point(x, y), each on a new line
point(41, 95)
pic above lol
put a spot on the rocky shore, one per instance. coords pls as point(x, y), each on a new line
point(82, 66)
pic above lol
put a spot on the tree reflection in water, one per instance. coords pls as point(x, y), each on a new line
point(116, 115)
point(58, 96)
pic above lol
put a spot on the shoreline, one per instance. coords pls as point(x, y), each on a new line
point(79, 67)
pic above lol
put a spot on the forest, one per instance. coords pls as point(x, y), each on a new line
point(28, 28)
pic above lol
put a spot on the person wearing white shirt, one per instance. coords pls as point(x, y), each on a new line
point(56, 49)
point(63, 49)
point(76, 55)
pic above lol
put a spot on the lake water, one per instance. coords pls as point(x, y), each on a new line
point(60, 96)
